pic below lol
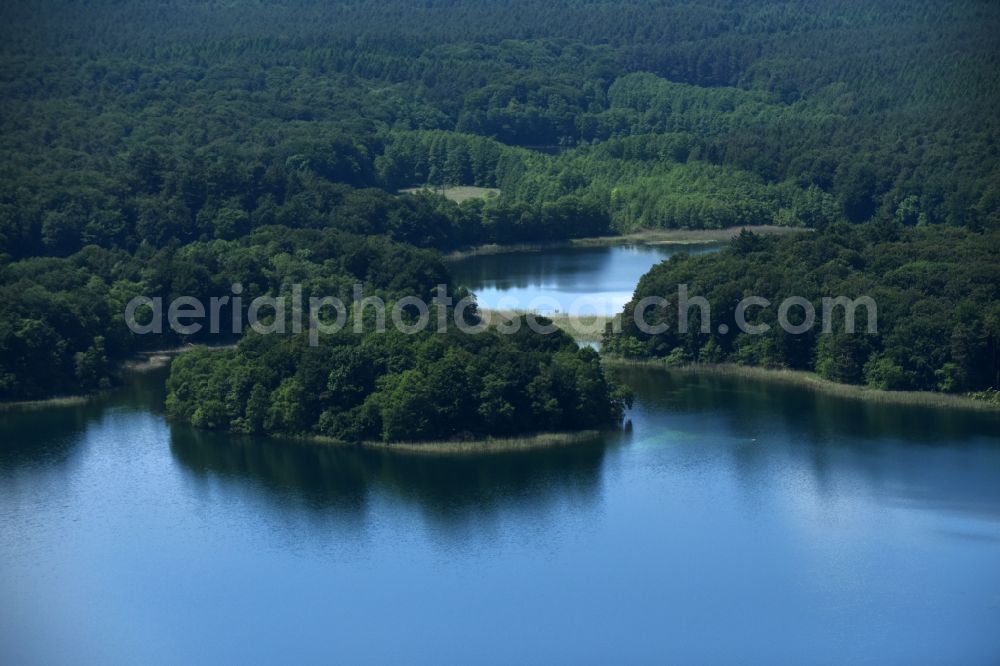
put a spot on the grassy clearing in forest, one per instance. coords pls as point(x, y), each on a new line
point(457, 194)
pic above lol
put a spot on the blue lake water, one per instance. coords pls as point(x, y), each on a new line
point(730, 521)
point(574, 280)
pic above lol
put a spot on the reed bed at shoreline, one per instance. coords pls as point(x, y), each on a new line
point(816, 383)
point(61, 401)
point(471, 447)
point(645, 237)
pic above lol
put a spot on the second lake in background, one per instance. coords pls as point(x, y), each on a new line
point(575, 280)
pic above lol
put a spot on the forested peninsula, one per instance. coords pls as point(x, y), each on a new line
point(936, 297)
point(396, 387)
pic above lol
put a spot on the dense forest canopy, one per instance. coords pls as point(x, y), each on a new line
point(391, 386)
point(936, 292)
point(143, 120)
point(63, 325)
point(165, 147)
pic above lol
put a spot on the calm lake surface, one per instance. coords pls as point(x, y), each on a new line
point(596, 280)
point(731, 521)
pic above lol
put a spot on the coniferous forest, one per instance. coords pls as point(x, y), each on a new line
point(175, 148)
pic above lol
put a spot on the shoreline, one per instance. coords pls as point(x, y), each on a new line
point(645, 237)
point(489, 445)
point(147, 361)
point(815, 383)
point(44, 403)
point(584, 328)
point(139, 363)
